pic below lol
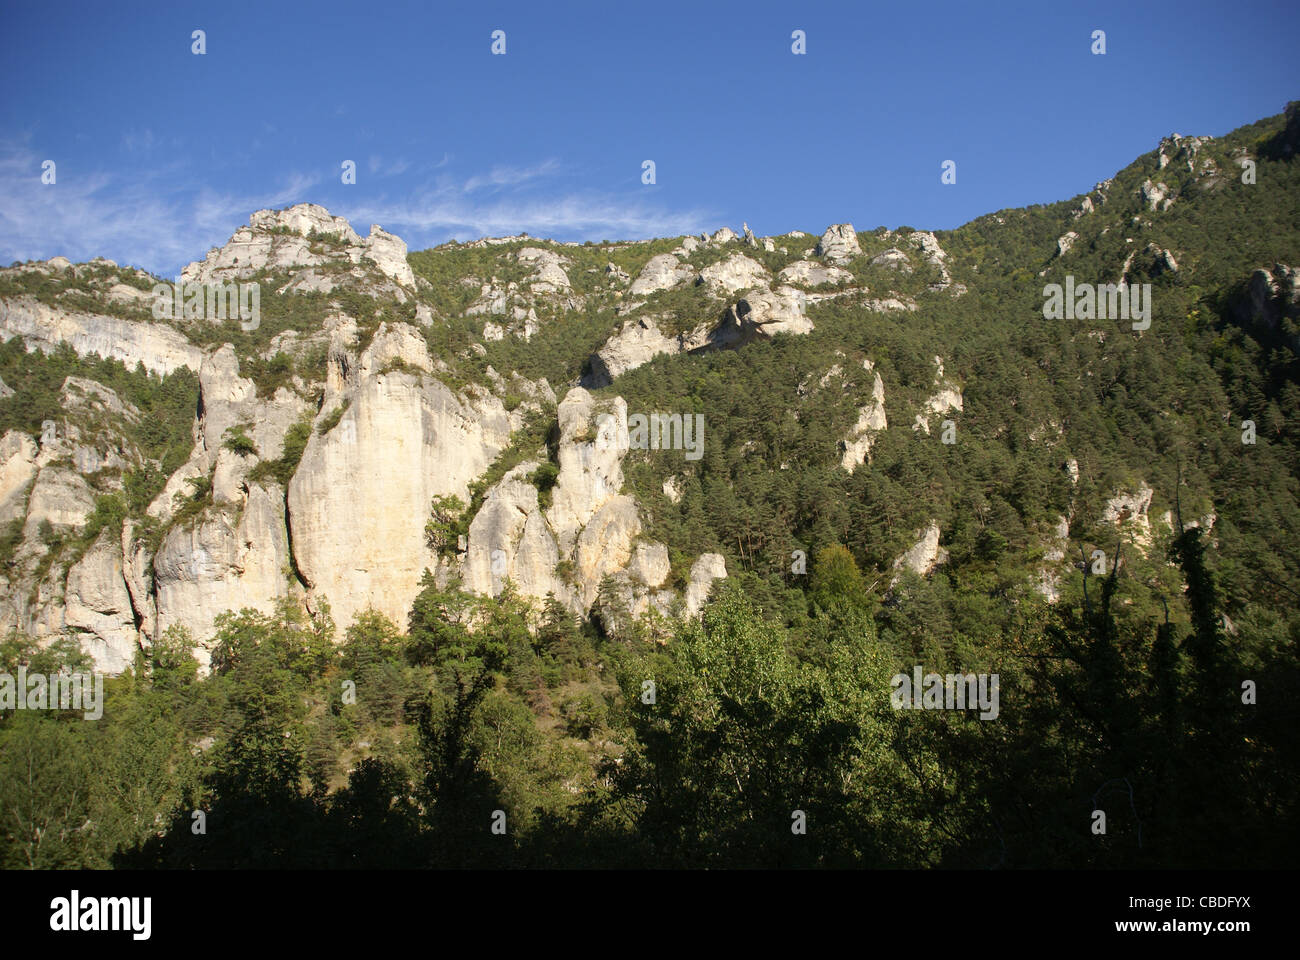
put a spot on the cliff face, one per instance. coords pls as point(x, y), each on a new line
point(312, 485)
point(358, 435)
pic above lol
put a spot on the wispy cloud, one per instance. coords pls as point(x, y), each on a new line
point(523, 198)
point(138, 141)
point(392, 168)
point(510, 176)
point(154, 218)
point(139, 219)
point(433, 218)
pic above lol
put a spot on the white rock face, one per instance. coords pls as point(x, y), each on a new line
point(96, 600)
point(945, 400)
point(738, 272)
point(888, 304)
point(935, 255)
point(549, 276)
point(808, 273)
point(759, 313)
point(708, 568)
point(230, 401)
point(661, 273)
point(231, 558)
point(650, 564)
point(1164, 259)
point(593, 442)
point(362, 493)
point(1049, 576)
point(397, 343)
point(304, 219)
point(839, 244)
point(1156, 195)
point(511, 530)
point(59, 496)
point(1176, 147)
point(591, 525)
point(18, 469)
point(1064, 243)
point(765, 313)
point(389, 254)
point(605, 545)
point(925, 554)
point(282, 240)
point(893, 259)
point(725, 235)
point(638, 342)
point(1128, 511)
point(856, 446)
point(160, 348)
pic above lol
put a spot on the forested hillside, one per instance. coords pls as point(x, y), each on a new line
point(374, 591)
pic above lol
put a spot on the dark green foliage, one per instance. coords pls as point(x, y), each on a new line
point(237, 441)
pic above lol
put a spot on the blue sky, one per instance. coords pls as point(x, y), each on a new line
point(162, 154)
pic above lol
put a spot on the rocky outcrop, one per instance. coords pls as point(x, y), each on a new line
point(706, 569)
point(892, 259)
point(763, 313)
point(302, 238)
point(1156, 195)
point(361, 495)
point(97, 604)
point(388, 253)
point(732, 275)
point(510, 539)
point(1048, 582)
point(18, 469)
point(1128, 512)
point(760, 313)
point(856, 446)
point(590, 530)
point(924, 555)
point(839, 244)
point(808, 273)
point(233, 557)
point(945, 399)
point(1270, 296)
point(1179, 148)
point(43, 327)
point(937, 257)
point(661, 273)
point(638, 342)
point(548, 267)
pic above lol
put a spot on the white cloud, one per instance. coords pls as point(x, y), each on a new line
point(154, 219)
point(509, 176)
point(139, 220)
point(577, 216)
